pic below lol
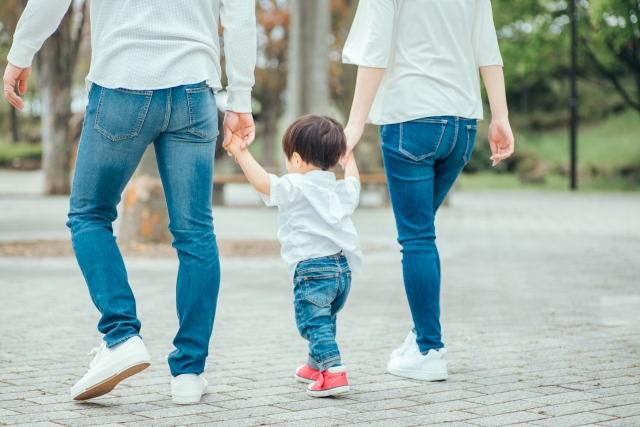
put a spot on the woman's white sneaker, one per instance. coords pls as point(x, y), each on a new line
point(187, 389)
point(110, 366)
point(415, 365)
point(409, 341)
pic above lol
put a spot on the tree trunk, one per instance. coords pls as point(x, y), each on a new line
point(145, 218)
point(14, 120)
point(308, 76)
point(55, 64)
point(270, 121)
point(350, 71)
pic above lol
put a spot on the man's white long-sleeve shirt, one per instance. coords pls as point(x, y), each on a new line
point(155, 44)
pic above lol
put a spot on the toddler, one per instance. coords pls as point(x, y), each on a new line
point(319, 242)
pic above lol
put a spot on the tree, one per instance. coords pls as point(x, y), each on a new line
point(273, 25)
point(611, 43)
point(308, 77)
point(10, 11)
point(55, 64)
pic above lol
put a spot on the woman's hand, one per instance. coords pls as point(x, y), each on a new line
point(353, 134)
point(501, 140)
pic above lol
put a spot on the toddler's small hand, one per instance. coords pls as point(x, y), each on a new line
point(235, 145)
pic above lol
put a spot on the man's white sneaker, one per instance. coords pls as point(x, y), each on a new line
point(413, 364)
point(409, 341)
point(187, 389)
point(110, 366)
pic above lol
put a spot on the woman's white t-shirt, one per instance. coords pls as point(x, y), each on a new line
point(431, 50)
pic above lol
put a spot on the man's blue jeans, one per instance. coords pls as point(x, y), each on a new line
point(118, 126)
point(320, 289)
point(422, 160)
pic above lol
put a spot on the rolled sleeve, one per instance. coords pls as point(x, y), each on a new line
point(486, 38)
point(369, 41)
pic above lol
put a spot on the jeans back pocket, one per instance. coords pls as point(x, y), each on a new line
point(472, 130)
point(421, 138)
point(321, 286)
point(121, 112)
point(203, 114)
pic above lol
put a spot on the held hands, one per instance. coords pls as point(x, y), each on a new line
point(235, 146)
point(501, 140)
point(239, 125)
point(353, 134)
point(13, 74)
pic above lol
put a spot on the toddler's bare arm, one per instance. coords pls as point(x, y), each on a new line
point(257, 176)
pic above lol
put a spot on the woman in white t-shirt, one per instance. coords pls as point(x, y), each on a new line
point(418, 64)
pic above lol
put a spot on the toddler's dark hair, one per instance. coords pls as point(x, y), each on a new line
point(319, 141)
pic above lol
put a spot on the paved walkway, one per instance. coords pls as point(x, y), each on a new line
point(540, 308)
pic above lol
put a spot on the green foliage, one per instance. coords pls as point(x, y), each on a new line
point(534, 40)
point(22, 151)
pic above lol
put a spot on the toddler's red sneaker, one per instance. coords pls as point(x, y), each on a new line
point(330, 382)
point(306, 374)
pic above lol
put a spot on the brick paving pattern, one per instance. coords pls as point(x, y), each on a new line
point(540, 310)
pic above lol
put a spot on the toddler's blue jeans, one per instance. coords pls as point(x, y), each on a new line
point(320, 287)
point(181, 122)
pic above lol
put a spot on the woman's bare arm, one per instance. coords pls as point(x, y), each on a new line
point(367, 84)
point(500, 135)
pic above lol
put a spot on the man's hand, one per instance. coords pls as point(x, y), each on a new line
point(240, 125)
point(13, 74)
point(353, 134)
point(501, 140)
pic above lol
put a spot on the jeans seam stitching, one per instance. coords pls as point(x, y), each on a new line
point(455, 140)
point(466, 150)
point(121, 340)
point(138, 127)
point(192, 128)
point(167, 111)
point(444, 124)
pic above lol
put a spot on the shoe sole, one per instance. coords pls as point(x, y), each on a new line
point(417, 375)
point(189, 398)
point(110, 383)
point(329, 392)
point(303, 379)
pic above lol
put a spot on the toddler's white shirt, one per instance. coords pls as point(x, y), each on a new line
point(314, 221)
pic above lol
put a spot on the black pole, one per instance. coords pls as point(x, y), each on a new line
point(573, 103)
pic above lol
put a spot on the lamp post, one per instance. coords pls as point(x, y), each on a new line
point(573, 102)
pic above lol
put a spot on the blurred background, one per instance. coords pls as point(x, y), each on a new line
point(293, 36)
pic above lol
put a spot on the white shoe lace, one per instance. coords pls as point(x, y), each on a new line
point(98, 351)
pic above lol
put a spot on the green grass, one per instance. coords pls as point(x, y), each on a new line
point(604, 149)
point(21, 150)
point(610, 144)
point(553, 182)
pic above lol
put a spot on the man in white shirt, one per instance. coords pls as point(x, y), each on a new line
point(155, 68)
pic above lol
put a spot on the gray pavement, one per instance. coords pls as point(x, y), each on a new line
point(540, 310)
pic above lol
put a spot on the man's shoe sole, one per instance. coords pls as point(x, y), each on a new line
point(329, 392)
point(303, 379)
point(417, 375)
point(109, 384)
